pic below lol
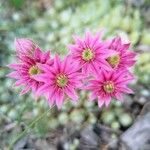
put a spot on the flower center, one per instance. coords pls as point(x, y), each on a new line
point(114, 60)
point(34, 70)
point(61, 80)
point(87, 54)
point(109, 87)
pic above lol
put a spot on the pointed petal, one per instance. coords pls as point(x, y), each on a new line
point(92, 96)
point(57, 63)
point(125, 89)
point(95, 68)
point(107, 53)
point(44, 67)
point(71, 93)
point(74, 48)
point(88, 38)
point(50, 100)
point(44, 89)
point(119, 96)
point(20, 82)
point(24, 91)
point(41, 77)
point(14, 66)
point(104, 65)
point(37, 53)
point(59, 98)
point(107, 101)
point(14, 75)
point(100, 102)
point(78, 41)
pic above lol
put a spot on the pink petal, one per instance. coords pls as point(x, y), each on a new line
point(74, 48)
point(24, 46)
point(78, 40)
point(97, 38)
point(104, 65)
point(100, 102)
point(26, 59)
point(119, 74)
point(107, 53)
point(95, 68)
point(119, 96)
point(92, 97)
point(85, 69)
point(45, 57)
point(129, 55)
point(15, 66)
point(71, 93)
point(107, 101)
point(44, 67)
point(64, 67)
point(50, 100)
point(125, 90)
point(59, 99)
point(44, 89)
point(57, 63)
point(24, 91)
point(14, 75)
point(88, 38)
point(37, 53)
point(20, 82)
point(126, 46)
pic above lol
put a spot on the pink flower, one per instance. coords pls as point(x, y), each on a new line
point(27, 67)
point(59, 80)
point(109, 85)
point(24, 46)
point(91, 53)
point(124, 58)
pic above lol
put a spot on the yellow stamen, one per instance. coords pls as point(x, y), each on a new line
point(34, 70)
point(87, 55)
point(61, 80)
point(114, 60)
point(109, 87)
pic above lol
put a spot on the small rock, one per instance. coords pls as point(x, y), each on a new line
point(89, 140)
point(138, 136)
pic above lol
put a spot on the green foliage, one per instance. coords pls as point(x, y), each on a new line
point(17, 3)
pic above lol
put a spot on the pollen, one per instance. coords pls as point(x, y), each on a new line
point(114, 60)
point(87, 55)
point(34, 70)
point(61, 80)
point(109, 87)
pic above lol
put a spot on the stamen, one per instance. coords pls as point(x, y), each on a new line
point(109, 87)
point(114, 60)
point(87, 55)
point(61, 80)
point(34, 70)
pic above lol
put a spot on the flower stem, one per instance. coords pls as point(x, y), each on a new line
point(29, 127)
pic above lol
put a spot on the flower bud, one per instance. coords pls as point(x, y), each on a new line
point(24, 46)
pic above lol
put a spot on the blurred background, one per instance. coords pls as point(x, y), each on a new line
point(51, 23)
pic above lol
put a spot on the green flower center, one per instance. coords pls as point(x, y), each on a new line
point(114, 60)
point(34, 70)
point(87, 54)
point(109, 87)
point(61, 80)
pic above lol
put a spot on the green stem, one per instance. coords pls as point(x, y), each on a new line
point(26, 130)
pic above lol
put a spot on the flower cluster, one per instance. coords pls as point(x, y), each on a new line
point(101, 67)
